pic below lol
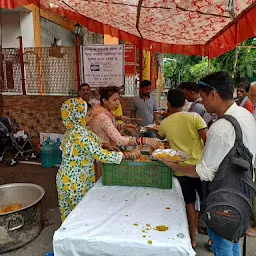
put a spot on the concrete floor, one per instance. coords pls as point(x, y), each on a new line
point(51, 219)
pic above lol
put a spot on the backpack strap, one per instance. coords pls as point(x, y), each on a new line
point(238, 130)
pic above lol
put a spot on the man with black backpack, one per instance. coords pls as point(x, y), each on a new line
point(226, 167)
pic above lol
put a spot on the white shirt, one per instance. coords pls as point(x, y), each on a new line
point(221, 138)
point(95, 101)
point(254, 113)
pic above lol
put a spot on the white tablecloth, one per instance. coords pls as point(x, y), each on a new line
point(120, 221)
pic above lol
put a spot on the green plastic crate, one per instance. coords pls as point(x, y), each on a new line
point(140, 174)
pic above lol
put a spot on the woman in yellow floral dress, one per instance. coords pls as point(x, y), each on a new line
point(80, 147)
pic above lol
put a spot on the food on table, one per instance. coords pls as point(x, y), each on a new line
point(148, 149)
point(152, 127)
point(167, 157)
point(161, 146)
point(161, 228)
point(10, 208)
point(170, 155)
point(143, 147)
point(142, 158)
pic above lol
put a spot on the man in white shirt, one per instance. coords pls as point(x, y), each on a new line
point(217, 94)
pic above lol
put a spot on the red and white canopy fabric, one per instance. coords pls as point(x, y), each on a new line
point(190, 27)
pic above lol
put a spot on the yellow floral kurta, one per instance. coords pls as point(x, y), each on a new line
point(79, 147)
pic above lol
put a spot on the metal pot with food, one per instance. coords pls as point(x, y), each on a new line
point(20, 214)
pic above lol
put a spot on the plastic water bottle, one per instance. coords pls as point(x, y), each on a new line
point(48, 154)
point(58, 151)
point(49, 254)
point(49, 140)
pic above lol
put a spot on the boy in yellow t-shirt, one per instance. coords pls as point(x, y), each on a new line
point(185, 131)
point(118, 114)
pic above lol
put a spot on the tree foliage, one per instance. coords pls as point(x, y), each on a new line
point(240, 63)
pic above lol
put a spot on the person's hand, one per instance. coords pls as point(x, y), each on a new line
point(124, 118)
point(172, 165)
point(130, 128)
point(110, 147)
point(153, 142)
point(135, 154)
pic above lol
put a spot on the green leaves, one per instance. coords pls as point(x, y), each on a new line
point(193, 68)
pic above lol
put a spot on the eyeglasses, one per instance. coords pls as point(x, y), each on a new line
point(200, 83)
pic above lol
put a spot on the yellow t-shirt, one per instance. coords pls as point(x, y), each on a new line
point(118, 112)
point(181, 130)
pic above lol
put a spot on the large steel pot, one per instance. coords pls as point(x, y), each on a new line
point(17, 228)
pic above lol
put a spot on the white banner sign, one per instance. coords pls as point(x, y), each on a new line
point(103, 65)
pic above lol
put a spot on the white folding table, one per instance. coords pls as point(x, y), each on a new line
point(124, 221)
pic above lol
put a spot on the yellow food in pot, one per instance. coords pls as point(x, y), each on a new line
point(10, 208)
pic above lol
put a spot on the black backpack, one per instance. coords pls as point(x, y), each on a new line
point(228, 198)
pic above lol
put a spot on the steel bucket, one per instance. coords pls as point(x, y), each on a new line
point(17, 228)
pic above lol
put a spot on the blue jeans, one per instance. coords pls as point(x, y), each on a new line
point(222, 246)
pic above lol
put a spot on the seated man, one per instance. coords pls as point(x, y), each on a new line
point(185, 131)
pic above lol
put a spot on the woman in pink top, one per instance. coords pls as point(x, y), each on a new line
point(101, 121)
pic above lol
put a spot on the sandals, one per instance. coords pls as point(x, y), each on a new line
point(203, 231)
point(251, 232)
point(208, 245)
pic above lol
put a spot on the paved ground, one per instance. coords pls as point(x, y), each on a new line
point(46, 178)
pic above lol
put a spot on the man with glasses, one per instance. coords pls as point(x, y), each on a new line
point(217, 94)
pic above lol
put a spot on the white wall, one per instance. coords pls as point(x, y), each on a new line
point(17, 23)
point(27, 29)
point(10, 29)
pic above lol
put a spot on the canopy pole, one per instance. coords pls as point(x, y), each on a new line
point(138, 17)
point(141, 59)
point(22, 69)
point(236, 52)
point(209, 65)
point(1, 67)
point(77, 62)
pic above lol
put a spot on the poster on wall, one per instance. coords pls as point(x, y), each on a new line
point(146, 65)
point(130, 60)
point(103, 65)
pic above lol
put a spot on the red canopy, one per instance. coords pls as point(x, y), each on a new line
point(191, 27)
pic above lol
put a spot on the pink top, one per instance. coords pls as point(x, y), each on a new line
point(101, 122)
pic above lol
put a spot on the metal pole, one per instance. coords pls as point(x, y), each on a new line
point(1, 68)
point(209, 65)
point(22, 67)
point(141, 60)
point(77, 62)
